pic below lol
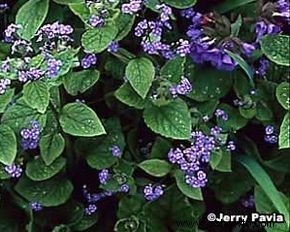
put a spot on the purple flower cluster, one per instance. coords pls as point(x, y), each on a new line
point(104, 176)
point(231, 146)
point(21, 46)
point(88, 61)
point(262, 28)
point(92, 199)
point(96, 21)
point(219, 113)
point(132, 7)
point(203, 48)
point(4, 85)
point(53, 67)
point(35, 206)
point(10, 33)
point(14, 170)
point(263, 66)
point(183, 88)
point(125, 188)
point(30, 75)
point(248, 202)
point(270, 135)
point(54, 34)
point(30, 136)
point(90, 209)
point(113, 47)
point(283, 7)
point(116, 151)
point(152, 193)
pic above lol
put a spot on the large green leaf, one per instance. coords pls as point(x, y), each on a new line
point(36, 94)
point(8, 145)
point(20, 114)
point(283, 95)
point(49, 193)
point(180, 4)
point(172, 120)
point(281, 163)
point(265, 183)
point(124, 23)
point(140, 73)
point(155, 167)
point(97, 40)
point(66, 2)
point(221, 160)
point(78, 82)
point(128, 96)
point(79, 120)
point(5, 99)
point(284, 136)
point(81, 10)
point(187, 190)
point(51, 146)
point(209, 84)
point(277, 49)
point(264, 205)
point(31, 16)
point(229, 5)
point(173, 69)
point(37, 170)
point(98, 151)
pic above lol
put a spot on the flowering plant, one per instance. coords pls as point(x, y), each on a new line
point(132, 115)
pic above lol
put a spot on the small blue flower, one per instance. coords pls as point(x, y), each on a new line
point(104, 176)
point(152, 193)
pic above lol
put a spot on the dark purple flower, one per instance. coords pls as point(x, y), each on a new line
point(14, 170)
point(263, 66)
point(35, 206)
point(152, 193)
point(90, 209)
point(104, 176)
point(113, 47)
point(30, 136)
point(10, 33)
point(96, 21)
point(231, 146)
point(248, 202)
point(132, 7)
point(88, 61)
point(53, 67)
point(248, 49)
point(116, 151)
point(124, 188)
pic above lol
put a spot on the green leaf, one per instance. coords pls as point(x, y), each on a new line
point(236, 26)
point(5, 99)
point(49, 193)
point(78, 82)
point(140, 73)
point(160, 148)
point(265, 183)
point(19, 114)
point(31, 16)
point(221, 160)
point(172, 120)
point(155, 167)
point(283, 95)
point(130, 205)
point(80, 10)
point(277, 49)
point(210, 84)
point(128, 96)
point(66, 2)
point(284, 136)
point(264, 205)
point(187, 190)
point(36, 94)
point(97, 40)
point(280, 163)
point(79, 120)
point(8, 145)
point(180, 4)
point(51, 146)
point(237, 183)
point(86, 223)
point(244, 65)
point(173, 69)
point(229, 5)
point(98, 151)
point(37, 170)
point(235, 120)
point(124, 23)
